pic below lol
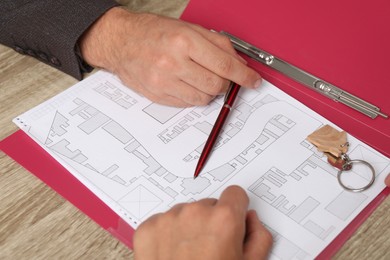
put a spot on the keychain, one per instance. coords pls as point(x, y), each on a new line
point(334, 145)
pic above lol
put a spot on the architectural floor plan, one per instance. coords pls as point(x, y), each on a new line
point(139, 158)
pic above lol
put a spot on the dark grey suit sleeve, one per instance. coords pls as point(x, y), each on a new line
point(49, 30)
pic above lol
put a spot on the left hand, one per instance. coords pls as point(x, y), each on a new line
point(208, 229)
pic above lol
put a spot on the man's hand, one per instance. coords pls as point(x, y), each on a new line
point(387, 180)
point(206, 229)
point(166, 60)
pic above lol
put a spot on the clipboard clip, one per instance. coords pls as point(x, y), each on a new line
point(306, 78)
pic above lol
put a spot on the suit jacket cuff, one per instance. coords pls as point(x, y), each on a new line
point(49, 30)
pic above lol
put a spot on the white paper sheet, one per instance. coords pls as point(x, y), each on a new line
point(139, 158)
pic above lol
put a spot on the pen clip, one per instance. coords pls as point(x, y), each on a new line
point(306, 78)
point(249, 49)
point(231, 85)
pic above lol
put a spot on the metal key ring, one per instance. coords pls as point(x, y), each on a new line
point(357, 189)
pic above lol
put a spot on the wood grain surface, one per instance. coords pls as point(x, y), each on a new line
point(37, 223)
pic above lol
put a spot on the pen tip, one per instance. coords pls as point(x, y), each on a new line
point(198, 168)
point(196, 174)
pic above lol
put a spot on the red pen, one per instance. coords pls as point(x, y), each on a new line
point(227, 106)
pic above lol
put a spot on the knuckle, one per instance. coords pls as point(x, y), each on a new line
point(164, 62)
point(177, 208)
point(191, 210)
point(206, 100)
point(201, 100)
point(225, 65)
point(197, 98)
point(215, 85)
point(180, 40)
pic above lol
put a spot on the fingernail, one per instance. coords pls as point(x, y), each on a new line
point(258, 83)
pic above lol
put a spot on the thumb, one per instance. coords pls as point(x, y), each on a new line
point(258, 240)
point(387, 181)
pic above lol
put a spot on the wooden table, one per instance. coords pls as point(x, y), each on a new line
point(37, 223)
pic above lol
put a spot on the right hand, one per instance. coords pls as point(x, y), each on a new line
point(169, 61)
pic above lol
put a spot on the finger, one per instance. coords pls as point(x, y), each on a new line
point(258, 240)
point(188, 94)
point(236, 198)
point(387, 180)
point(166, 100)
point(160, 98)
point(204, 80)
point(219, 40)
point(208, 201)
point(223, 64)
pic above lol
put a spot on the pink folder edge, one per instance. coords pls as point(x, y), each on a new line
point(21, 148)
point(25, 151)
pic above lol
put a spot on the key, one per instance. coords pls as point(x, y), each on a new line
point(333, 144)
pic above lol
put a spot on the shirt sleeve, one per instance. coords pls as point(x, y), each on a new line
point(49, 30)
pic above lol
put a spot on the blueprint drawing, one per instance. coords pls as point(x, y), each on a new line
point(139, 158)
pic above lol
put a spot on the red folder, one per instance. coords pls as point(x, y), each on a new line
point(341, 43)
